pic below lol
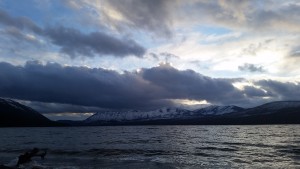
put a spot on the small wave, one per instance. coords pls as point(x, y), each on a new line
point(295, 151)
point(66, 167)
point(12, 150)
point(146, 141)
point(115, 152)
point(152, 128)
point(218, 148)
point(65, 152)
point(233, 143)
point(238, 160)
point(31, 165)
point(29, 142)
point(203, 154)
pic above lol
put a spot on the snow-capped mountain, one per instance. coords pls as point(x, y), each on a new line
point(283, 112)
point(218, 110)
point(162, 114)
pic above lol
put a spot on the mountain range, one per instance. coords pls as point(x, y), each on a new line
point(283, 112)
point(13, 113)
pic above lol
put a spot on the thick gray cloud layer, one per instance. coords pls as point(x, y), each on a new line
point(149, 88)
point(50, 108)
point(108, 89)
point(191, 85)
point(75, 85)
point(72, 41)
point(281, 90)
point(253, 92)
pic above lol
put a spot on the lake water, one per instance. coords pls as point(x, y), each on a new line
point(265, 146)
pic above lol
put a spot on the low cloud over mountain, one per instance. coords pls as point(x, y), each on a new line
point(147, 88)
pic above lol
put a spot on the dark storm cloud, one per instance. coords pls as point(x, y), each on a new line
point(251, 91)
point(76, 85)
point(281, 90)
point(251, 68)
point(72, 41)
point(79, 89)
point(53, 83)
point(59, 108)
point(191, 85)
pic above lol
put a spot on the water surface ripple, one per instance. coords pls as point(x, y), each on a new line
point(261, 146)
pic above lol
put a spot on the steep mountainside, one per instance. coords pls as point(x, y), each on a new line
point(15, 114)
point(271, 108)
point(282, 112)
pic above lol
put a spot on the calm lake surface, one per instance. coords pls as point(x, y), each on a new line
point(265, 146)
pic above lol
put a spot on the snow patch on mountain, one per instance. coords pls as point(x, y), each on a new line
point(218, 110)
point(163, 113)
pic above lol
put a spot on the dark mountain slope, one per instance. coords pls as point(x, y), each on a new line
point(14, 114)
point(281, 112)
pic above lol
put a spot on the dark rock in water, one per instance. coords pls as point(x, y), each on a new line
point(26, 157)
point(14, 114)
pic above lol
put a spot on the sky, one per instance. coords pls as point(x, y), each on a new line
point(70, 58)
